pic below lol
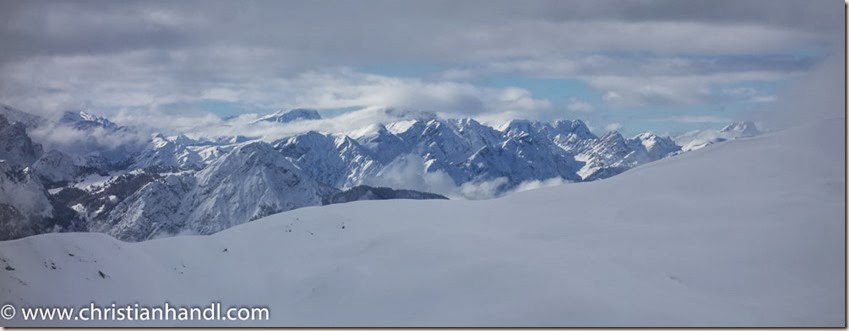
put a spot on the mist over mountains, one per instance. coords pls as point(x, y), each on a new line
point(87, 173)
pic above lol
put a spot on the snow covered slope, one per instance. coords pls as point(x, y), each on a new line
point(178, 153)
point(730, 236)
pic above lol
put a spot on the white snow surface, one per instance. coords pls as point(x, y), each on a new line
point(747, 234)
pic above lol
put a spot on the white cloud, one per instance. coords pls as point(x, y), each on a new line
point(154, 119)
point(138, 55)
point(611, 97)
point(482, 190)
point(657, 80)
point(613, 126)
point(85, 142)
point(408, 172)
point(580, 106)
point(537, 184)
point(50, 85)
point(764, 99)
point(628, 91)
point(668, 37)
point(694, 119)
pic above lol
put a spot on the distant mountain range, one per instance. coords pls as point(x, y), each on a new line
point(171, 185)
point(287, 116)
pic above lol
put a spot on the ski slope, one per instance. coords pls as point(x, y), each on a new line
point(742, 233)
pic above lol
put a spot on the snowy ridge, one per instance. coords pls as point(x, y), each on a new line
point(83, 121)
point(180, 153)
point(287, 116)
point(467, 151)
point(699, 139)
point(13, 115)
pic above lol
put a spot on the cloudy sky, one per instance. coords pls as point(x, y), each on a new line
point(666, 66)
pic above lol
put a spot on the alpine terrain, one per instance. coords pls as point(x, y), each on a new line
point(729, 236)
point(137, 186)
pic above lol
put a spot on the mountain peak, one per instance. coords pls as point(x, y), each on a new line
point(182, 139)
point(83, 120)
point(88, 116)
point(743, 129)
point(287, 116)
point(15, 115)
point(657, 146)
point(517, 125)
point(15, 145)
point(612, 135)
point(368, 131)
point(699, 139)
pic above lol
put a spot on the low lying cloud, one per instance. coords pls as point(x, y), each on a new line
point(97, 141)
point(150, 120)
point(482, 189)
point(408, 172)
point(537, 184)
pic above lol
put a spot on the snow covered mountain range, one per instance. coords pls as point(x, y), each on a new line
point(143, 188)
point(719, 237)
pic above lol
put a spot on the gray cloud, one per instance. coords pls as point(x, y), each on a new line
point(818, 95)
point(380, 30)
point(131, 54)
